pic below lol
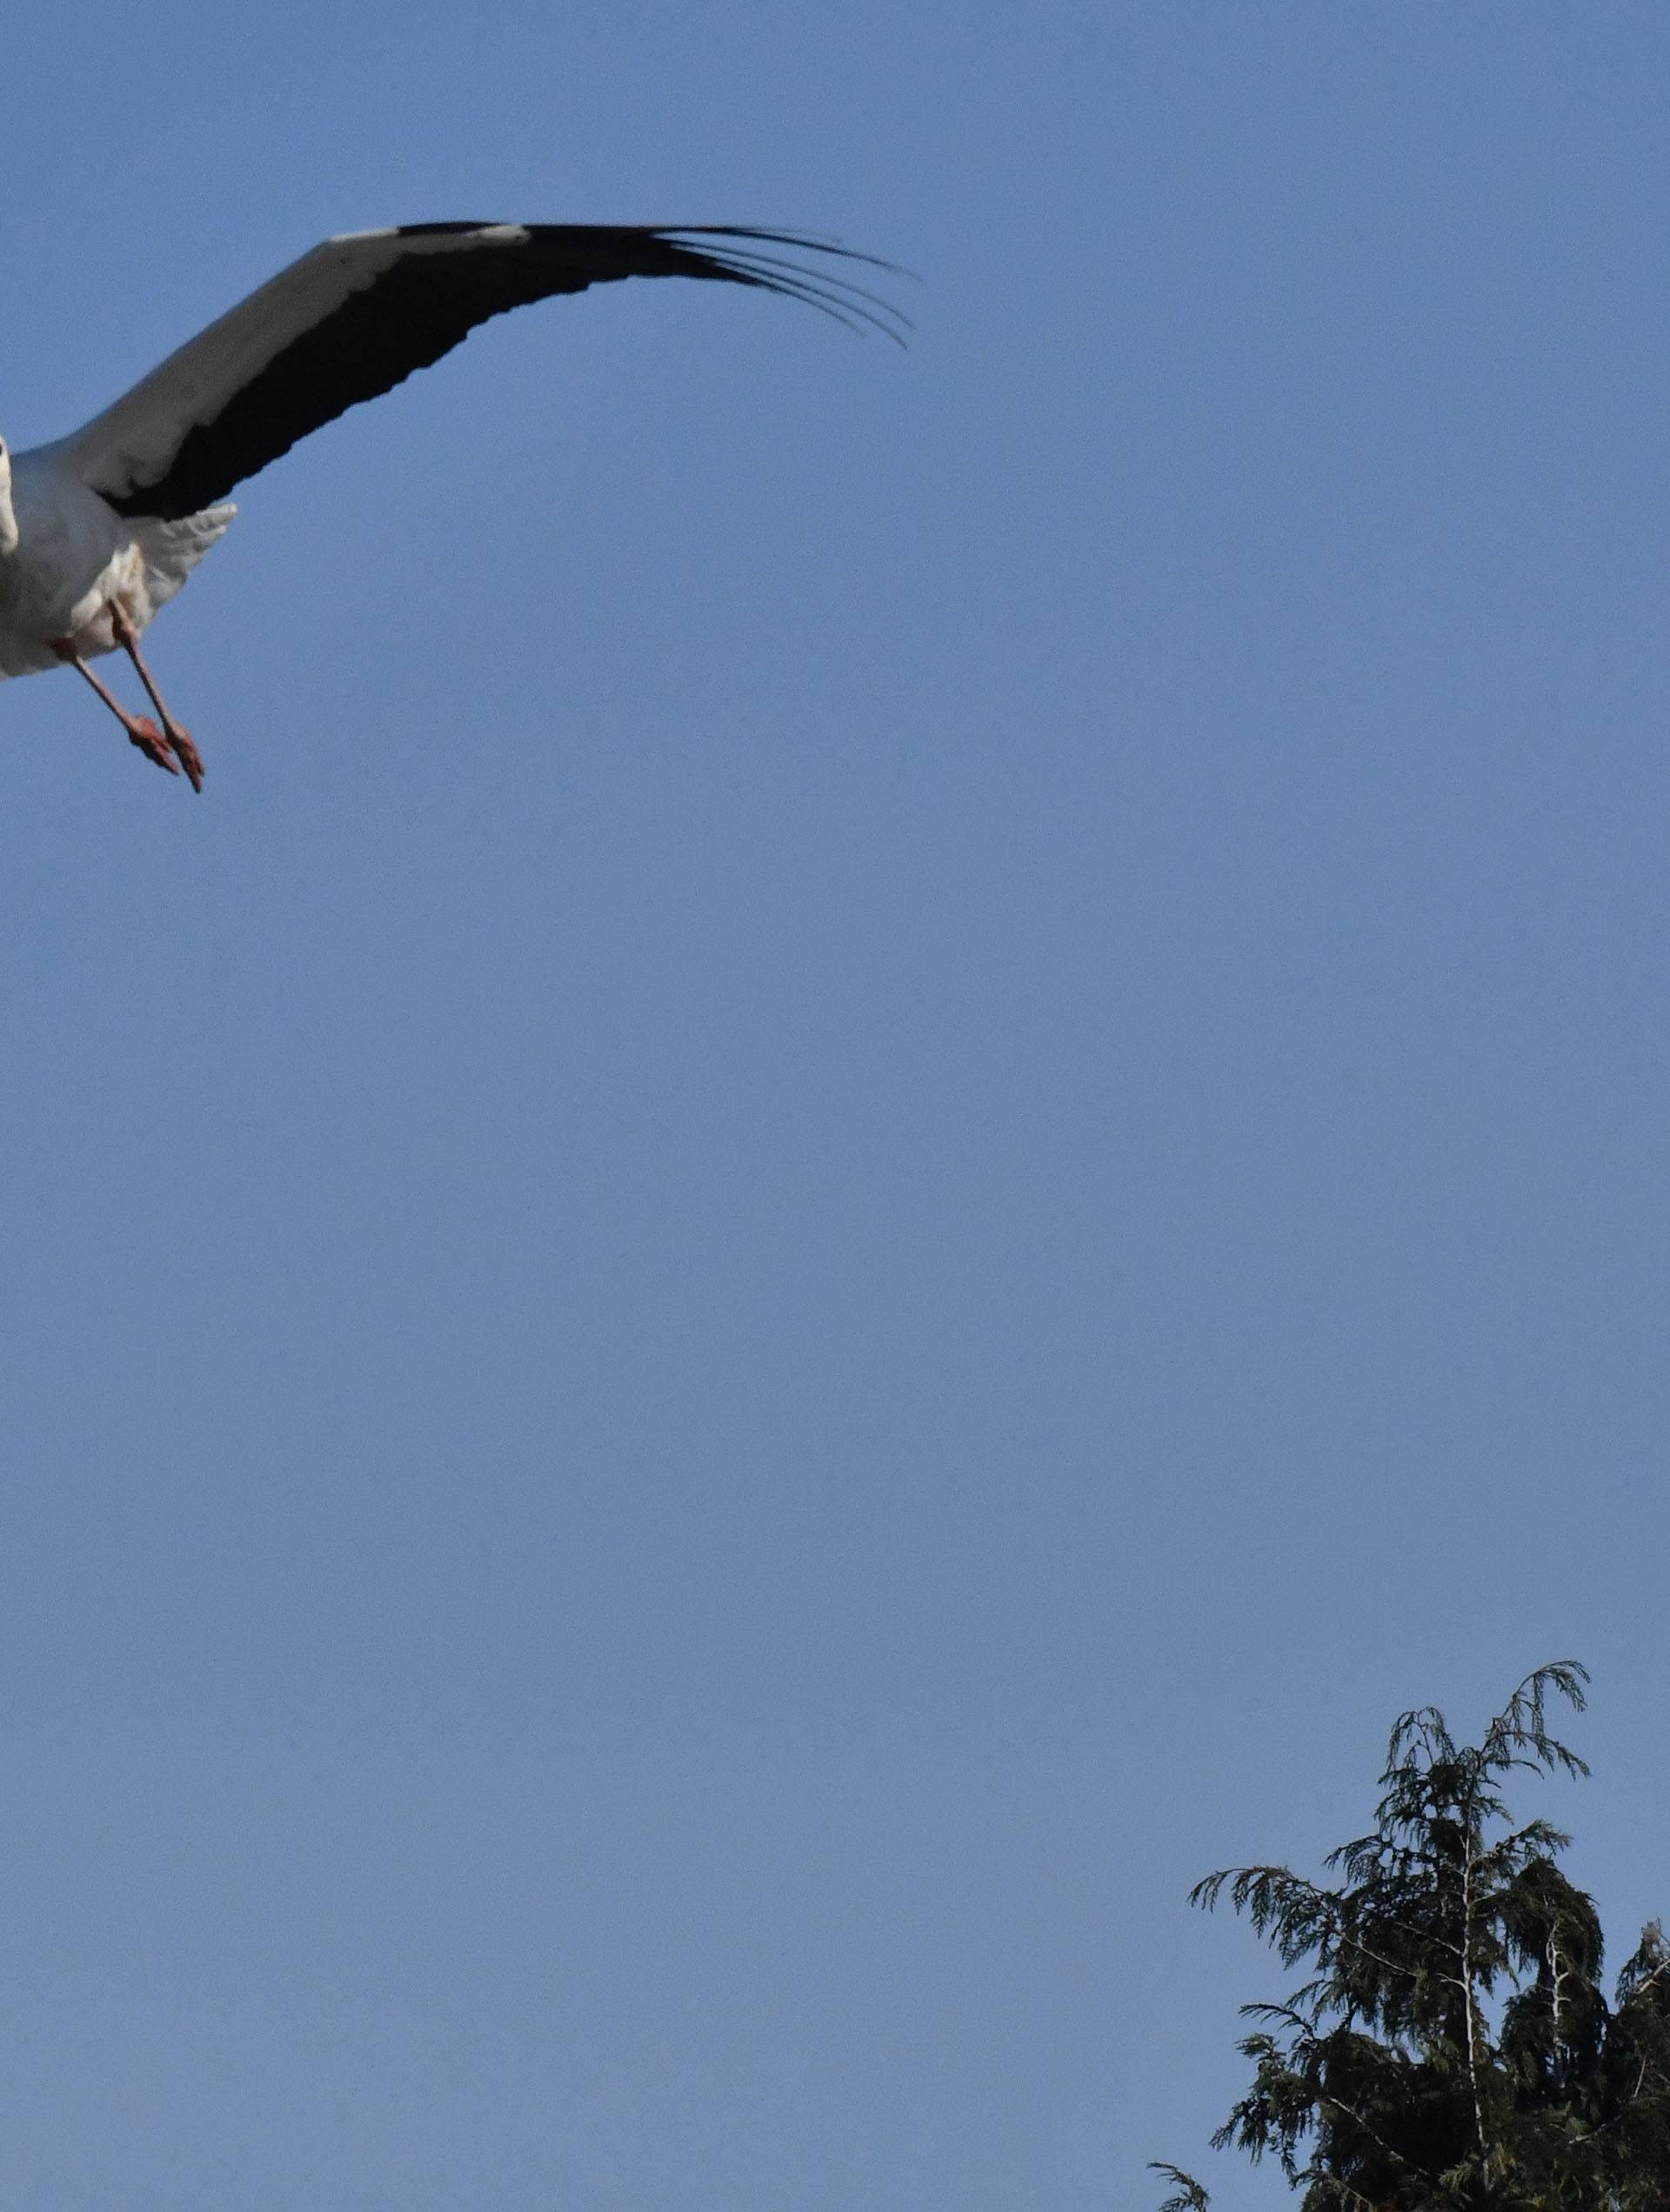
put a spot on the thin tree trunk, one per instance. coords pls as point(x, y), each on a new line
point(1467, 1977)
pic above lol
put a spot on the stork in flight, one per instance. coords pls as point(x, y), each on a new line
point(101, 529)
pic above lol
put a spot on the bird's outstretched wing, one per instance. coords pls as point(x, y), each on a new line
point(361, 312)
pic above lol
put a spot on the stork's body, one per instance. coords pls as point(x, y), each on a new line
point(76, 558)
point(100, 530)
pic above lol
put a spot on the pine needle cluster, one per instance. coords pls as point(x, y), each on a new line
point(1452, 2049)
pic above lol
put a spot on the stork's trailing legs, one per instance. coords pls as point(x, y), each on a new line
point(141, 729)
point(179, 740)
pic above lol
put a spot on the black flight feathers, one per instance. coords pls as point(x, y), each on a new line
point(423, 303)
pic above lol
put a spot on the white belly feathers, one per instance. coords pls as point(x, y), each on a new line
point(75, 555)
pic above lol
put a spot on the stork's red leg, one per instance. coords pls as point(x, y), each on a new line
point(185, 751)
point(141, 729)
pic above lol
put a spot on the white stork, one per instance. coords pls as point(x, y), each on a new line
point(100, 529)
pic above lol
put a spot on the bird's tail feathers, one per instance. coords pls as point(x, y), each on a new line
point(172, 550)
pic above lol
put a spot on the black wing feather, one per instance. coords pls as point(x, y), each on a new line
point(426, 304)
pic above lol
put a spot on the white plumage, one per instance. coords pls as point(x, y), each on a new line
point(101, 529)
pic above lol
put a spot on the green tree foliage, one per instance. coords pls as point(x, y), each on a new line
point(1451, 2045)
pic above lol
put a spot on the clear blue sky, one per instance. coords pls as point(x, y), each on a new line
point(896, 1125)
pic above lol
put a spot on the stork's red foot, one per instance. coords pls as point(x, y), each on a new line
point(185, 753)
point(143, 733)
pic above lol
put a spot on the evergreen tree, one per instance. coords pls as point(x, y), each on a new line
point(1451, 2048)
